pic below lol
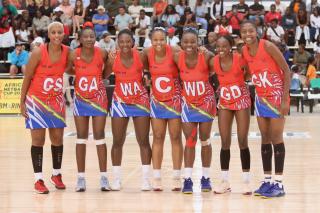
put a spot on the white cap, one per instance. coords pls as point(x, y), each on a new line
point(38, 40)
point(57, 9)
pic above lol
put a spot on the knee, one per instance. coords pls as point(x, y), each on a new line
point(176, 138)
point(204, 137)
point(98, 135)
point(38, 141)
point(57, 141)
point(264, 137)
point(225, 146)
point(243, 143)
point(117, 143)
point(158, 137)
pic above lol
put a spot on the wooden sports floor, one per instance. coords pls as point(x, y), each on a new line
point(302, 175)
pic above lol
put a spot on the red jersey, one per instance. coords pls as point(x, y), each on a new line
point(196, 86)
point(164, 76)
point(129, 88)
point(235, 20)
point(270, 16)
point(233, 92)
point(88, 78)
point(266, 74)
point(48, 77)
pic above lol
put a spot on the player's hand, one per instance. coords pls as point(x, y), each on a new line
point(284, 107)
point(112, 54)
point(23, 110)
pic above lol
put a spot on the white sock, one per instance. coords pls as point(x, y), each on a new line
point(81, 175)
point(116, 170)
point(103, 174)
point(55, 172)
point(246, 177)
point(278, 179)
point(206, 172)
point(225, 175)
point(187, 173)
point(38, 176)
point(157, 173)
point(176, 173)
point(146, 171)
point(267, 178)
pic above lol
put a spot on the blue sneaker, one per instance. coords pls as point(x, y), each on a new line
point(205, 184)
point(187, 186)
point(274, 191)
point(265, 186)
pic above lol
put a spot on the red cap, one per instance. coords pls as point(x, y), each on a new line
point(171, 30)
point(88, 24)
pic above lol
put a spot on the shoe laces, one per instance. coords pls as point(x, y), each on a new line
point(188, 182)
point(205, 180)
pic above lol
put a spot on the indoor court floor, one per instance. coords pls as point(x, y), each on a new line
point(301, 180)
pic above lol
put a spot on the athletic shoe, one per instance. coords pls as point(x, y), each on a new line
point(205, 184)
point(40, 188)
point(274, 191)
point(176, 185)
point(81, 184)
point(104, 184)
point(146, 185)
point(265, 186)
point(187, 186)
point(222, 188)
point(156, 185)
point(116, 185)
point(246, 190)
point(56, 180)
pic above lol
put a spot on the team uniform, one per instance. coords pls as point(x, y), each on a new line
point(90, 92)
point(165, 100)
point(198, 101)
point(130, 97)
point(233, 93)
point(45, 102)
point(268, 80)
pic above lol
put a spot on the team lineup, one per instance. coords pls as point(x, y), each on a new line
point(181, 99)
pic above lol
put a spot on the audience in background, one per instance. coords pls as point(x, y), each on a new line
point(18, 60)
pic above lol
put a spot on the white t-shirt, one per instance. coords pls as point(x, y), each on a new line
point(24, 34)
point(273, 35)
point(314, 21)
point(281, 8)
point(173, 41)
point(134, 11)
point(143, 22)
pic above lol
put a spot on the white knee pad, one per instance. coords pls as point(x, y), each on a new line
point(100, 142)
point(81, 141)
point(206, 143)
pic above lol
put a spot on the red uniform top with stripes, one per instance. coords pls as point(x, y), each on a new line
point(233, 93)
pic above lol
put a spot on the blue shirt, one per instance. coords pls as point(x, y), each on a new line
point(19, 60)
point(100, 27)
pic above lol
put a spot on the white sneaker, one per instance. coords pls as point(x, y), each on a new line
point(157, 184)
point(222, 188)
point(81, 184)
point(116, 185)
point(176, 185)
point(146, 185)
point(246, 190)
point(104, 184)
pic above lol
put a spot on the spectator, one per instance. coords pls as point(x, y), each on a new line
point(91, 10)
point(147, 42)
point(25, 17)
point(223, 28)
point(123, 20)
point(289, 23)
point(275, 33)
point(261, 29)
point(200, 12)
point(216, 10)
point(242, 7)
point(302, 30)
point(313, 4)
point(170, 17)
point(106, 42)
point(256, 9)
point(12, 10)
point(181, 6)
point(316, 49)
point(46, 9)
point(100, 21)
point(40, 24)
point(32, 8)
point(18, 59)
point(280, 7)
point(272, 14)
point(295, 85)
point(235, 18)
point(134, 9)
point(67, 10)
point(286, 53)
point(5, 21)
point(314, 24)
point(296, 5)
point(75, 43)
point(311, 70)
point(301, 56)
point(78, 15)
point(22, 33)
point(211, 46)
point(113, 9)
point(188, 20)
point(142, 25)
point(172, 39)
point(158, 9)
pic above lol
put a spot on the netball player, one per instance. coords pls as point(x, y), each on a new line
point(90, 101)
point(165, 104)
point(43, 105)
point(130, 99)
point(234, 101)
point(271, 78)
point(198, 107)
